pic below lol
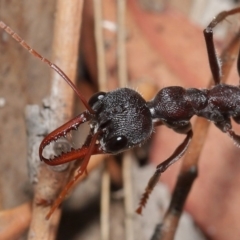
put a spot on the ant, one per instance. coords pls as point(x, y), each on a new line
point(121, 119)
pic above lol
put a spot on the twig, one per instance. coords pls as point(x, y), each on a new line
point(14, 222)
point(121, 39)
point(59, 109)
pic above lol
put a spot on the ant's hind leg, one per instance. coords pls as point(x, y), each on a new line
point(214, 61)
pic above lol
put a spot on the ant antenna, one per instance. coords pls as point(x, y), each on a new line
point(17, 38)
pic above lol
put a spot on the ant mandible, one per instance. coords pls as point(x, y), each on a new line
point(122, 119)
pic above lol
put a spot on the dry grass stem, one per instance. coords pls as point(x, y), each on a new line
point(123, 81)
point(121, 46)
point(101, 64)
point(102, 86)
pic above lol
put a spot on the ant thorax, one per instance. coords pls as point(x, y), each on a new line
point(123, 117)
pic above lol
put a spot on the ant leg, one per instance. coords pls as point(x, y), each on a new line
point(80, 171)
point(214, 61)
point(178, 153)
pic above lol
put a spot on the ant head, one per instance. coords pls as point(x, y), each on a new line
point(123, 118)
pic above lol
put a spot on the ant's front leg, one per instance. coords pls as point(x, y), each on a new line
point(214, 61)
point(91, 146)
point(178, 153)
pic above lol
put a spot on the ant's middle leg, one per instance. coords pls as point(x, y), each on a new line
point(226, 127)
point(178, 153)
point(214, 61)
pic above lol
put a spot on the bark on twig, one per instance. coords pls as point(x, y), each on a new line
point(56, 112)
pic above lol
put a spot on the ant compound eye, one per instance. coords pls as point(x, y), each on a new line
point(116, 144)
point(95, 98)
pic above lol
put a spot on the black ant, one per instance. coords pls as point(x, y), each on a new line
point(121, 119)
